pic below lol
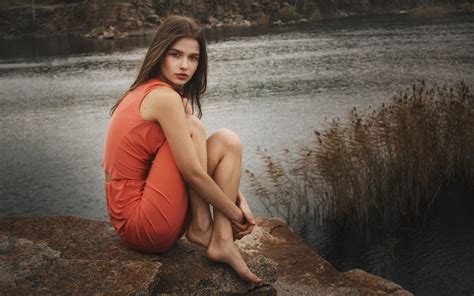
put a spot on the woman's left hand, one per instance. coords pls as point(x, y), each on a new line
point(246, 227)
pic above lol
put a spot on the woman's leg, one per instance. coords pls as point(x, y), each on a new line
point(221, 154)
point(200, 228)
point(224, 152)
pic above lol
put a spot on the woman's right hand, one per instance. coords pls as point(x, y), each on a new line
point(238, 217)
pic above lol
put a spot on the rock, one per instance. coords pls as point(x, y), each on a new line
point(58, 255)
point(263, 19)
point(213, 21)
point(367, 279)
point(146, 10)
point(132, 24)
point(108, 35)
point(220, 11)
point(34, 266)
point(238, 18)
point(94, 33)
point(152, 18)
point(78, 256)
point(303, 272)
point(198, 274)
point(278, 23)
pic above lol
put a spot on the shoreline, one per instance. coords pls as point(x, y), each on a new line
point(74, 20)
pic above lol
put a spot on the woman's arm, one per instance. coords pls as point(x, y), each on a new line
point(166, 107)
point(249, 220)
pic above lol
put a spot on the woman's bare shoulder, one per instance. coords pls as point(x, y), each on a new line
point(158, 100)
point(163, 94)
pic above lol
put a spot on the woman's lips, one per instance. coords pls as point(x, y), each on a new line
point(182, 76)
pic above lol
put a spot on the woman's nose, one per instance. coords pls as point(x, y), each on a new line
point(184, 63)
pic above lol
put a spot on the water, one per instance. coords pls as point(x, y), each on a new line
point(274, 89)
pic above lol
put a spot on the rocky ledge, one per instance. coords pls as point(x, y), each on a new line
point(57, 255)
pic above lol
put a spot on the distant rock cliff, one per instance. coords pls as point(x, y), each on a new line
point(119, 18)
point(70, 255)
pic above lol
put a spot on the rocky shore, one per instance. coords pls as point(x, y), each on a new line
point(110, 19)
point(58, 255)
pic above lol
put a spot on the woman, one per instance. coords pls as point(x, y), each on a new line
point(157, 157)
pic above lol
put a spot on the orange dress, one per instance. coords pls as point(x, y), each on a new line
point(147, 199)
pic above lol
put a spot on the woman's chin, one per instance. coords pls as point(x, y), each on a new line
point(176, 82)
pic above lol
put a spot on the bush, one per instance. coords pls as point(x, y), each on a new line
point(377, 172)
point(288, 13)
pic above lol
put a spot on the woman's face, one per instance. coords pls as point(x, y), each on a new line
point(180, 62)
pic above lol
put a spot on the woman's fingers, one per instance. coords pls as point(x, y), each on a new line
point(240, 227)
point(245, 232)
point(249, 218)
point(241, 234)
point(243, 229)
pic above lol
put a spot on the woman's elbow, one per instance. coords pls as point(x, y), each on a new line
point(193, 175)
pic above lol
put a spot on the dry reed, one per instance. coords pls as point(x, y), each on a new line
point(380, 171)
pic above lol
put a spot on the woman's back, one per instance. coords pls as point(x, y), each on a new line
point(146, 196)
point(131, 142)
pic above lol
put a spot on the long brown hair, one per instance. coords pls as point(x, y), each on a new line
point(173, 28)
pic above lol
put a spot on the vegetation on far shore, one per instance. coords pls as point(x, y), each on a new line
point(109, 19)
point(377, 172)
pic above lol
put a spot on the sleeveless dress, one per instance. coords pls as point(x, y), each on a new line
point(147, 199)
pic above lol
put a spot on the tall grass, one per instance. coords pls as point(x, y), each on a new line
point(379, 171)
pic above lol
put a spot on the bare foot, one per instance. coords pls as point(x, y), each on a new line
point(227, 252)
point(199, 236)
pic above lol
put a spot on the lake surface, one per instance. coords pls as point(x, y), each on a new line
point(273, 87)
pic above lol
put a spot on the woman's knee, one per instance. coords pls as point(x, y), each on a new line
point(196, 127)
point(229, 140)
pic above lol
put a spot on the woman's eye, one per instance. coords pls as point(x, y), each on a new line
point(175, 54)
point(194, 58)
